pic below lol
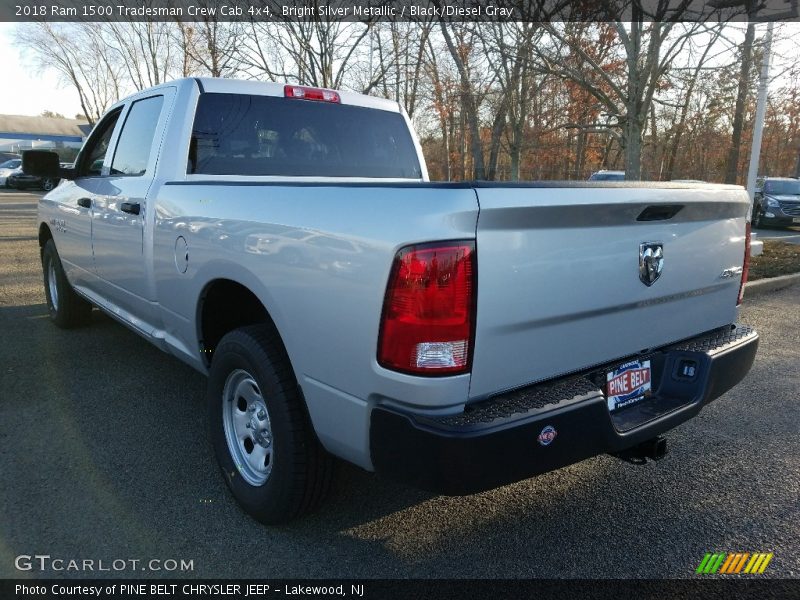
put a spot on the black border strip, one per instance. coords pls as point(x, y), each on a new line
point(696, 586)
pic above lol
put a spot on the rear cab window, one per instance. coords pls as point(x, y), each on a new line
point(239, 134)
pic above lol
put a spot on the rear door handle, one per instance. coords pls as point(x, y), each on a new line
point(130, 207)
point(85, 202)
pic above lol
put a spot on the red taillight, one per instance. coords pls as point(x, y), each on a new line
point(301, 92)
point(746, 264)
point(428, 312)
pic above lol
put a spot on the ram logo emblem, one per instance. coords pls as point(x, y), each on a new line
point(651, 262)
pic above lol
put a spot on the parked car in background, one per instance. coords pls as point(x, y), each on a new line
point(776, 202)
point(7, 168)
point(6, 156)
point(20, 181)
point(604, 175)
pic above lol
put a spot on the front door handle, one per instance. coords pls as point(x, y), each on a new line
point(130, 207)
point(85, 202)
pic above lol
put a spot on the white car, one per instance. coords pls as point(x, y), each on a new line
point(7, 168)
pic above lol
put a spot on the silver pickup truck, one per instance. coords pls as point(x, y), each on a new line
point(285, 241)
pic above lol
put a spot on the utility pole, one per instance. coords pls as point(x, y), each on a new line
point(761, 108)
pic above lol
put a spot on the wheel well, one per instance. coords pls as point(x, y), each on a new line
point(224, 306)
point(44, 235)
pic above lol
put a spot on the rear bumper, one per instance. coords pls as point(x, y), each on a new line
point(496, 442)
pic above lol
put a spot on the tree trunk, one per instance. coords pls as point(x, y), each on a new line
point(632, 130)
point(732, 166)
point(469, 106)
point(580, 154)
point(632, 141)
point(514, 151)
point(494, 146)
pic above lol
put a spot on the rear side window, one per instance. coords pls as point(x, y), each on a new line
point(237, 134)
point(136, 138)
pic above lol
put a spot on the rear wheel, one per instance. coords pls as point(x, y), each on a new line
point(66, 308)
point(261, 433)
point(48, 184)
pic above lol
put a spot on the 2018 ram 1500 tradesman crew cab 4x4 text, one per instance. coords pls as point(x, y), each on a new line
point(286, 242)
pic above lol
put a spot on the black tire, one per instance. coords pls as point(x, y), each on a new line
point(67, 309)
point(301, 469)
point(48, 184)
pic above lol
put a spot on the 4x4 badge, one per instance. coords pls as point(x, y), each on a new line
point(651, 262)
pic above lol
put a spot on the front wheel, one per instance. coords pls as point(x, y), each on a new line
point(48, 184)
point(261, 433)
point(66, 308)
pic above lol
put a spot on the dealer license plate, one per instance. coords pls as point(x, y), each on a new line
point(628, 384)
point(796, 220)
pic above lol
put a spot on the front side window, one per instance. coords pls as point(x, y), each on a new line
point(238, 134)
point(93, 155)
point(136, 139)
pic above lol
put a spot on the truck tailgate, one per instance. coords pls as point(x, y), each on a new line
point(559, 287)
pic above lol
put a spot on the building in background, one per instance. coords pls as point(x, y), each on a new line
point(65, 136)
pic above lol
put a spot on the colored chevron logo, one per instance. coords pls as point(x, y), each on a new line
point(733, 563)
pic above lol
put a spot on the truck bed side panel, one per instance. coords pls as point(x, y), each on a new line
point(319, 258)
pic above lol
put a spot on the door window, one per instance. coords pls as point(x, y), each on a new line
point(136, 140)
point(93, 155)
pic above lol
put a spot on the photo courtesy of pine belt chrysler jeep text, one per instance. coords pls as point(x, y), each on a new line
point(286, 242)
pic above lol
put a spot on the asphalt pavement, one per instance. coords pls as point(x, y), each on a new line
point(104, 457)
point(789, 235)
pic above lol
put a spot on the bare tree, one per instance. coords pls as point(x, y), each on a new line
point(744, 87)
point(460, 53)
point(397, 61)
point(319, 51)
point(509, 48)
point(145, 49)
point(209, 46)
point(648, 45)
point(72, 51)
point(679, 125)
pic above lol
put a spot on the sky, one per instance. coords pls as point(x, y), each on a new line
point(26, 92)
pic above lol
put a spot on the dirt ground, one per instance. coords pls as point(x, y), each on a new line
point(778, 258)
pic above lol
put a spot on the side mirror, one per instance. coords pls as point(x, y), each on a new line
point(44, 163)
point(41, 163)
